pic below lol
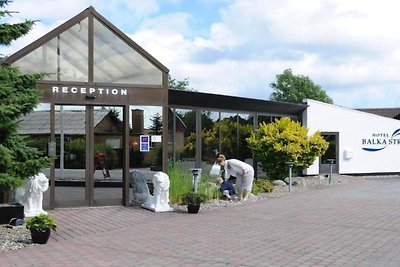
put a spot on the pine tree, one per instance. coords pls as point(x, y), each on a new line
point(11, 32)
point(18, 96)
point(156, 127)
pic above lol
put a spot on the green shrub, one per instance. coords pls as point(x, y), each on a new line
point(209, 189)
point(181, 181)
point(41, 222)
point(262, 186)
point(192, 198)
point(283, 141)
point(75, 154)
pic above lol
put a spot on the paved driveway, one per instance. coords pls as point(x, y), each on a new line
point(354, 224)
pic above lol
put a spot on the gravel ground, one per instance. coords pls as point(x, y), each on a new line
point(13, 238)
point(308, 183)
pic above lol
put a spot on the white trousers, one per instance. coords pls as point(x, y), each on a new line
point(244, 182)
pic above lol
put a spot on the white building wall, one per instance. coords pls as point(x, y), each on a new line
point(356, 130)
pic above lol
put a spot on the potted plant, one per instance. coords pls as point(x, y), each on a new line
point(193, 200)
point(40, 227)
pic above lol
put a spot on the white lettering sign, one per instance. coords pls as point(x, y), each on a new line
point(90, 90)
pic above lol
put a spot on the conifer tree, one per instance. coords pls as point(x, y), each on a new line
point(18, 96)
point(156, 127)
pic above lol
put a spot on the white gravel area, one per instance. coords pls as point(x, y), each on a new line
point(307, 183)
point(12, 238)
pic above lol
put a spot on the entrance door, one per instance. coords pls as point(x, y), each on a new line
point(330, 154)
point(88, 166)
point(108, 155)
point(70, 163)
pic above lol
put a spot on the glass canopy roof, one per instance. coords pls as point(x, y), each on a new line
point(66, 58)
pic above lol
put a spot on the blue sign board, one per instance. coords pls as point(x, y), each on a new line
point(144, 143)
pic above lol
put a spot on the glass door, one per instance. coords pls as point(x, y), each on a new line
point(330, 156)
point(108, 125)
point(70, 162)
point(89, 155)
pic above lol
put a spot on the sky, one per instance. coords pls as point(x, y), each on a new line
point(237, 47)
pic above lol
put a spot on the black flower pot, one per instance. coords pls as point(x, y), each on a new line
point(193, 208)
point(10, 211)
point(41, 236)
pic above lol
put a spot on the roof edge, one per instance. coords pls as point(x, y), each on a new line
point(48, 36)
point(90, 11)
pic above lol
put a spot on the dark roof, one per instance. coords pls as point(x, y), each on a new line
point(182, 99)
point(385, 112)
point(38, 122)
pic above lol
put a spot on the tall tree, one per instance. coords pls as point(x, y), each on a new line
point(295, 88)
point(18, 96)
point(179, 85)
point(11, 32)
point(157, 126)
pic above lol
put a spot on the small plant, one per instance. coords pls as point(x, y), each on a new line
point(209, 189)
point(262, 186)
point(41, 222)
point(193, 198)
point(180, 182)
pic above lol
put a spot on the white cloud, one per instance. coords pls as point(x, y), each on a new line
point(47, 9)
point(339, 42)
point(165, 24)
point(350, 48)
point(39, 30)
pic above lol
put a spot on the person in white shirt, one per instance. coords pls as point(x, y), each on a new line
point(243, 172)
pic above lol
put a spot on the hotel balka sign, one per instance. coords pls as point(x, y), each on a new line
point(379, 141)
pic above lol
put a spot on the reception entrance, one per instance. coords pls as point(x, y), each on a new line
point(94, 74)
point(88, 172)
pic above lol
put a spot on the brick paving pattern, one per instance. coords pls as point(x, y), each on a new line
point(354, 224)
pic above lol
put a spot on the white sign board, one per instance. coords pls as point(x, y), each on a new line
point(156, 138)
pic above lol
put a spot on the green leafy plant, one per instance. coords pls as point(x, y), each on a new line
point(233, 135)
point(193, 198)
point(41, 222)
point(209, 189)
point(262, 186)
point(283, 141)
point(295, 88)
point(180, 182)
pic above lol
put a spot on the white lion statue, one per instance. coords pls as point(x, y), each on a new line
point(31, 195)
point(159, 201)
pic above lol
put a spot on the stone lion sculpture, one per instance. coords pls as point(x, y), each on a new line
point(139, 186)
point(159, 201)
point(31, 195)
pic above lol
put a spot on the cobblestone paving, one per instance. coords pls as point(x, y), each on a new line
point(352, 224)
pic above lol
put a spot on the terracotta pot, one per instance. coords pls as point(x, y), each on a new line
point(41, 236)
